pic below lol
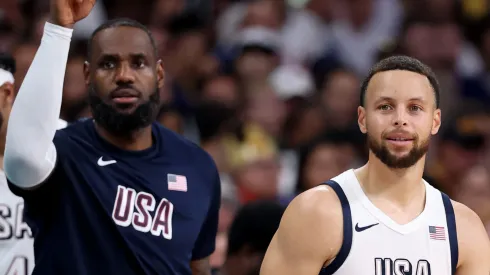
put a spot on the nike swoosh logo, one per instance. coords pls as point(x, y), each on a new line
point(360, 229)
point(102, 162)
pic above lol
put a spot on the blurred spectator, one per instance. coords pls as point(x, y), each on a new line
point(24, 54)
point(365, 26)
point(224, 89)
point(250, 234)
point(8, 36)
point(74, 91)
point(459, 149)
point(307, 33)
point(258, 50)
point(339, 97)
point(254, 164)
point(305, 122)
point(328, 156)
point(475, 191)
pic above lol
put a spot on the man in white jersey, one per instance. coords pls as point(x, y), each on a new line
point(16, 241)
point(383, 218)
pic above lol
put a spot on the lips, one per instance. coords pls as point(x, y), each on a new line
point(400, 139)
point(125, 93)
point(400, 136)
point(125, 96)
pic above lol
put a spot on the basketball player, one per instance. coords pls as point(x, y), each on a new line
point(16, 242)
point(118, 194)
point(383, 218)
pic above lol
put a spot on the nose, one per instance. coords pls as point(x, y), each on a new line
point(124, 74)
point(400, 118)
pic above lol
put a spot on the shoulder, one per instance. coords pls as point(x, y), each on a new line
point(472, 236)
point(72, 129)
point(177, 142)
point(316, 215)
point(183, 150)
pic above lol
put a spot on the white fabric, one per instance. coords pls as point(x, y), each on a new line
point(16, 247)
point(407, 247)
point(30, 154)
point(6, 76)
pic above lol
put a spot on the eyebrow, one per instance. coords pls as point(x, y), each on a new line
point(390, 99)
point(117, 56)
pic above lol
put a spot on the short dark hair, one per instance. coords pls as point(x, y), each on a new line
point(7, 62)
point(403, 63)
point(121, 22)
point(254, 226)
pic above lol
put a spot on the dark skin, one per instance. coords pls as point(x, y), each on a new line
point(117, 60)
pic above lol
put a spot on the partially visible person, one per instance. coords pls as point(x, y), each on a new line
point(119, 193)
point(249, 236)
point(16, 240)
point(75, 95)
point(458, 150)
point(384, 218)
point(265, 108)
point(254, 164)
point(339, 96)
point(324, 158)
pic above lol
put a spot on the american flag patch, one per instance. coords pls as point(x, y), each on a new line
point(177, 183)
point(437, 232)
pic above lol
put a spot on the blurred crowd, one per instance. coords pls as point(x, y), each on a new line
point(270, 88)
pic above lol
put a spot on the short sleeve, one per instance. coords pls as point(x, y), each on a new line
point(206, 241)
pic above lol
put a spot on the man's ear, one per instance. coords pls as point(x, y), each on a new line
point(7, 94)
point(160, 73)
point(361, 119)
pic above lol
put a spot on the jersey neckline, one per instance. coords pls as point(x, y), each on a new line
point(404, 229)
point(114, 150)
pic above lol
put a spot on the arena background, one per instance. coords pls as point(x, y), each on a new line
point(270, 88)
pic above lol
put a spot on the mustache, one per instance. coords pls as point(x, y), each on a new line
point(398, 132)
point(125, 87)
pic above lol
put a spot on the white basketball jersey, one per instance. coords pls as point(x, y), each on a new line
point(16, 242)
point(374, 244)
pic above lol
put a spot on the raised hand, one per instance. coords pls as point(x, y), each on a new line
point(67, 12)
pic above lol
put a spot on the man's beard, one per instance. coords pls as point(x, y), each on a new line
point(119, 123)
point(382, 152)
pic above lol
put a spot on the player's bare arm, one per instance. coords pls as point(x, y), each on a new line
point(30, 155)
point(473, 242)
point(309, 236)
point(201, 267)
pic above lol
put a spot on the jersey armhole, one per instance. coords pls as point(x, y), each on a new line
point(452, 232)
point(344, 251)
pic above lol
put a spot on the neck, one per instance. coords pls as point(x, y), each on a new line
point(134, 141)
point(400, 186)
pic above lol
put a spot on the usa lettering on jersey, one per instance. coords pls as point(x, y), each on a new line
point(389, 266)
point(140, 210)
point(13, 226)
point(16, 228)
